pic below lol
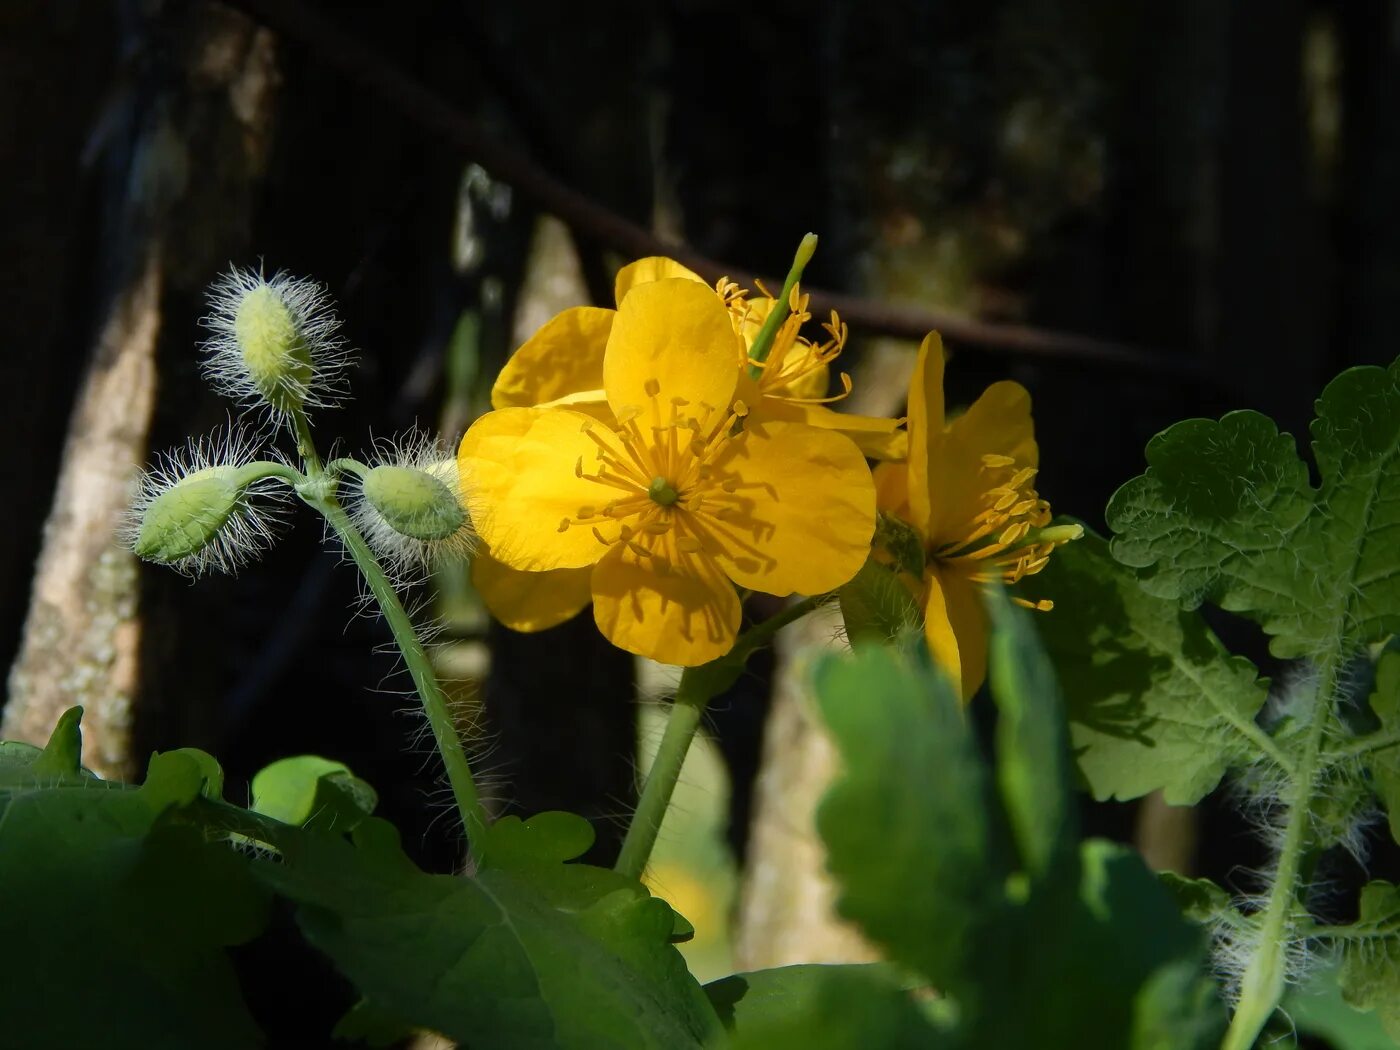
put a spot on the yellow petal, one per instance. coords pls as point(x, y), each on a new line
point(998, 423)
point(955, 625)
point(802, 512)
point(530, 601)
point(925, 426)
point(564, 357)
point(652, 268)
point(876, 436)
point(686, 615)
point(892, 489)
point(672, 339)
point(519, 465)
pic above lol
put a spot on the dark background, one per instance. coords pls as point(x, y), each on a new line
point(1210, 182)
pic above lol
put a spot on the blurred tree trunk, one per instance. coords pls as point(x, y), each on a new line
point(185, 139)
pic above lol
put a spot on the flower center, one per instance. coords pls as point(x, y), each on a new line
point(662, 491)
point(657, 464)
point(1009, 539)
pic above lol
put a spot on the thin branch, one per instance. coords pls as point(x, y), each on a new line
point(592, 221)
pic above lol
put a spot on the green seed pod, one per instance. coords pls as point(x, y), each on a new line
point(275, 352)
point(187, 517)
point(414, 503)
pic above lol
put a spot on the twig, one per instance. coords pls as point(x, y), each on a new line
point(592, 221)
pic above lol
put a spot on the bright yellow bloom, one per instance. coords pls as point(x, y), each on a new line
point(670, 498)
point(562, 363)
point(967, 492)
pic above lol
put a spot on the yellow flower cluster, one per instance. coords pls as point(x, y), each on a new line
point(643, 460)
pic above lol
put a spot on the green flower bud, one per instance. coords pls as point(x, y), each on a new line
point(274, 343)
point(185, 518)
point(410, 505)
point(206, 506)
point(274, 351)
point(413, 502)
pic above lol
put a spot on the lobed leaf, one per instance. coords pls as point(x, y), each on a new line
point(1370, 973)
point(1225, 513)
point(1154, 700)
point(529, 953)
point(115, 902)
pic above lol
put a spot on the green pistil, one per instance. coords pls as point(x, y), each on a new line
point(661, 492)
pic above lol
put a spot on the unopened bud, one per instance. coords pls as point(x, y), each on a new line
point(274, 351)
point(185, 518)
point(274, 343)
point(414, 503)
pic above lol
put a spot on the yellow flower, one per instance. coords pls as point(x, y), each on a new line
point(967, 492)
point(657, 508)
point(562, 363)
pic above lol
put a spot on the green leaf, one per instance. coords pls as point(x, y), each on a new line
point(1200, 900)
point(109, 895)
point(1155, 702)
point(812, 1007)
point(1317, 1008)
point(1225, 514)
point(307, 790)
point(1370, 979)
point(546, 838)
point(876, 606)
point(954, 879)
point(908, 825)
point(64, 752)
point(366, 1023)
point(522, 955)
point(1033, 767)
point(1384, 763)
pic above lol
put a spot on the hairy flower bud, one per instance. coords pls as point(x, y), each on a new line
point(414, 502)
point(274, 352)
point(411, 506)
point(274, 343)
point(206, 506)
point(185, 518)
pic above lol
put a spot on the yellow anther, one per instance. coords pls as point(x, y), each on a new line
point(652, 387)
point(1012, 533)
point(578, 468)
point(688, 545)
point(993, 459)
point(584, 513)
point(657, 528)
point(601, 538)
point(564, 525)
point(740, 409)
point(680, 402)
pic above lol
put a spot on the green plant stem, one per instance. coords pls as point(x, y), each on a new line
point(435, 705)
point(686, 712)
point(306, 447)
point(1364, 746)
point(763, 342)
point(698, 685)
point(319, 493)
point(1263, 983)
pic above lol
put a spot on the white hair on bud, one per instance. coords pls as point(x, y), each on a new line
point(405, 557)
point(313, 315)
point(258, 514)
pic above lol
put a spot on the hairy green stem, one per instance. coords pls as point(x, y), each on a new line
point(763, 342)
point(319, 493)
point(435, 705)
point(698, 685)
point(1263, 983)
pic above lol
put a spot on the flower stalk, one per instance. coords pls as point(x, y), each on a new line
point(1262, 986)
point(319, 494)
point(698, 686)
